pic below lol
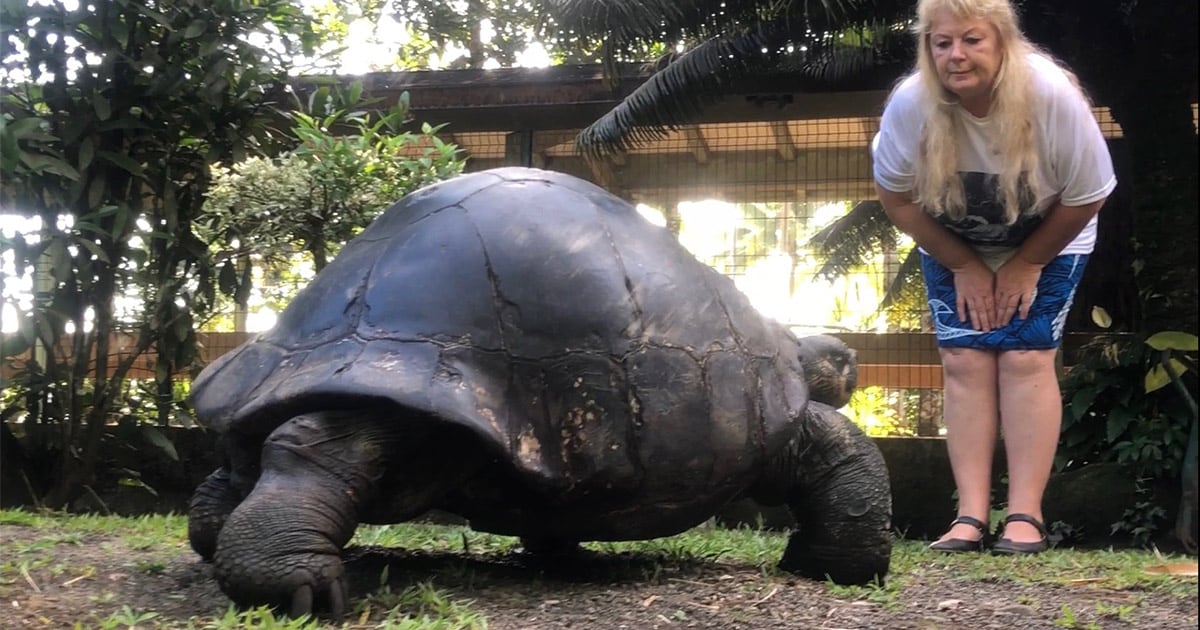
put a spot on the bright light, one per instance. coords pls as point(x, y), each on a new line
point(534, 56)
point(261, 320)
point(652, 215)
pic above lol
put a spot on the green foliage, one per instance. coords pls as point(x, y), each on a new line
point(874, 410)
point(1142, 521)
point(112, 113)
point(1118, 407)
point(450, 26)
point(422, 607)
point(346, 165)
point(127, 618)
point(1109, 415)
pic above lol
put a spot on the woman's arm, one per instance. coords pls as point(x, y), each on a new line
point(974, 282)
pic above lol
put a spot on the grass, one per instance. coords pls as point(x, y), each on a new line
point(424, 605)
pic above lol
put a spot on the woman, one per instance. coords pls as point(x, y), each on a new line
point(988, 155)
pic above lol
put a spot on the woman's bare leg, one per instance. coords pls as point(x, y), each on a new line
point(1031, 418)
point(971, 412)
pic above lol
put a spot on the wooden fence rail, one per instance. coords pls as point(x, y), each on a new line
point(891, 360)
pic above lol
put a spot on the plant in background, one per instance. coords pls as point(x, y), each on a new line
point(298, 208)
point(873, 409)
point(1130, 399)
point(112, 113)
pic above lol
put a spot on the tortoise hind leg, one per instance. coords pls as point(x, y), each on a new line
point(282, 545)
point(835, 482)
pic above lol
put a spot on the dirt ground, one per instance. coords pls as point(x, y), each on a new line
point(95, 577)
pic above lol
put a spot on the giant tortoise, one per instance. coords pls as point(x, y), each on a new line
point(523, 349)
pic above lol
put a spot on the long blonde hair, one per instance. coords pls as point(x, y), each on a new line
point(938, 187)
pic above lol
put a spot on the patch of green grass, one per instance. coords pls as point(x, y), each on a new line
point(886, 594)
point(421, 606)
point(1068, 619)
point(168, 526)
point(1120, 569)
point(127, 618)
point(744, 545)
point(153, 567)
point(261, 618)
point(18, 517)
point(429, 537)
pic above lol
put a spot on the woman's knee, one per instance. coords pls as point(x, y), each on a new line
point(968, 365)
point(966, 359)
point(1027, 362)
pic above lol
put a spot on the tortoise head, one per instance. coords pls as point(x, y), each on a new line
point(830, 368)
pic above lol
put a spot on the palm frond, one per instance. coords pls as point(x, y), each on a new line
point(677, 93)
point(755, 40)
point(907, 277)
point(625, 21)
point(850, 240)
point(860, 52)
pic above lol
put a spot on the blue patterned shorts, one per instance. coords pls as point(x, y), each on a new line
point(1043, 328)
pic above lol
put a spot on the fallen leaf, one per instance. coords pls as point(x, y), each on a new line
point(1174, 568)
point(949, 604)
point(649, 600)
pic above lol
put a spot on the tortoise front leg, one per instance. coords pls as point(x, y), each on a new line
point(209, 507)
point(220, 493)
point(282, 545)
point(835, 482)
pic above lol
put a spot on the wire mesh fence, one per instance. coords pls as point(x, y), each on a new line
point(783, 207)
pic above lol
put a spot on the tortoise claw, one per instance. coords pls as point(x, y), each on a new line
point(337, 598)
point(302, 602)
point(304, 599)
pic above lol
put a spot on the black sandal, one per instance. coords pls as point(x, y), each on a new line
point(1010, 547)
point(957, 545)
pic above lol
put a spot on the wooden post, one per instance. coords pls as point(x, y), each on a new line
point(518, 148)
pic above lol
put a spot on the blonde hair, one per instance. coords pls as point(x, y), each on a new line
point(938, 187)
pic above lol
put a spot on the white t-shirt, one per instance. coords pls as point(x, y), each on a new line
point(1074, 164)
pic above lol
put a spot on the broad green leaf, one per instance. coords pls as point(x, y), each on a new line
point(1157, 377)
point(24, 128)
point(95, 249)
point(1173, 340)
point(102, 106)
point(42, 163)
point(1118, 421)
point(87, 151)
point(14, 345)
point(124, 161)
point(96, 192)
point(195, 29)
point(1082, 401)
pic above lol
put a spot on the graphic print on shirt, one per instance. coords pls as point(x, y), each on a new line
point(984, 223)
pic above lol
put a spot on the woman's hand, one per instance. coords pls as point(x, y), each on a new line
point(1016, 286)
point(975, 290)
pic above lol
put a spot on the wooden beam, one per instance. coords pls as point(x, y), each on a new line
point(604, 174)
point(824, 175)
point(784, 142)
point(549, 145)
point(696, 143)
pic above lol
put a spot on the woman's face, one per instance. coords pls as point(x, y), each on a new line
point(966, 53)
